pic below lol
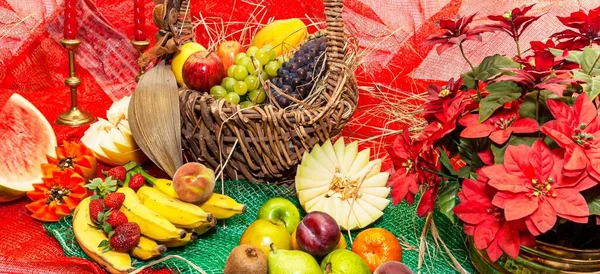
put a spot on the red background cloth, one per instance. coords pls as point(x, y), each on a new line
point(34, 64)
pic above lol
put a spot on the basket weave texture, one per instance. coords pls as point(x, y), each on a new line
point(266, 142)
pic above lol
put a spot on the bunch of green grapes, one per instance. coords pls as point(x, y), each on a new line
point(243, 83)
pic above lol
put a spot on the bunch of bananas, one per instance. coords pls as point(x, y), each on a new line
point(164, 221)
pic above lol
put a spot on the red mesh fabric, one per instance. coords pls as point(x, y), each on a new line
point(34, 65)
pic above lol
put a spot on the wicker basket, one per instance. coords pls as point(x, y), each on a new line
point(266, 143)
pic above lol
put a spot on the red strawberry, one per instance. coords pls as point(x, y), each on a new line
point(96, 206)
point(125, 237)
point(118, 173)
point(137, 181)
point(116, 218)
point(114, 200)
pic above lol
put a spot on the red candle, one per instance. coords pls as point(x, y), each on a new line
point(70, 31)
point(139, 21)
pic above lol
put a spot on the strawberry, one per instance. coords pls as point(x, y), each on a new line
point(96, 207)
point(125, 237)
point(137, 181)
point(114, 200)
point(118, 173)
point(116, 218)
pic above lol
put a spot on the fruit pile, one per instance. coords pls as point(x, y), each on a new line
point(240, 77)
point(135, 214)
point(279, 241)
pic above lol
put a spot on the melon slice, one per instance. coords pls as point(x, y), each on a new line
point(27, 137)
point(341, 181)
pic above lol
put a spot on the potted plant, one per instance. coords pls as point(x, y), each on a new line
point(516, 140)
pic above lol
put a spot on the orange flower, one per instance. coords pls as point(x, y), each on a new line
point(57, 196)
point(72, 156)
point(377, 246)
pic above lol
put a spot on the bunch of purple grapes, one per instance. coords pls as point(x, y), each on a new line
point(296, 77)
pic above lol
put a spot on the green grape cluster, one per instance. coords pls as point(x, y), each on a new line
point(243, 82)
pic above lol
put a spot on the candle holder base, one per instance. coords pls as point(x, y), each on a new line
point(140, 46)
point(75, 117)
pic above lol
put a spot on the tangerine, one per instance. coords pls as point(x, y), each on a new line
point(377, 246)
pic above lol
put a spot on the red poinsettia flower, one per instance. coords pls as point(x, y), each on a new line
point(498, 127)
point(513, 22)
point(413, 167)
point(543, 60)
point(553, 80)
point(587, 26)
point(577, 130)
point(440, 97)
point(531, 186)
point(57, 196)
point(455, 33)
point(486, 223)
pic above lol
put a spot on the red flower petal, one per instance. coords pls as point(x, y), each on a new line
point(527, 239)
point(469, 229)
point(501, 136)
point(427, 202)
point(584, 110)
point(494, 251)
point(532, 228)
point(576, 160)
point(400, 183)
point(516, 163)
point(477, 131)
point(508, 182)
point(544, 218)
point(541, 159)
point(486, 156)
point(569, 202)
point(520, 206)
point(560, 110)
point(559, 131)
point(501, 197)
point(576, 219)
point(525, 125)
point(472, 212)
point(469, 119)
point(485, 233)
point(508, 239)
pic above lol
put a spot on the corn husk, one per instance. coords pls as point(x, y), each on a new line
point(155, 120)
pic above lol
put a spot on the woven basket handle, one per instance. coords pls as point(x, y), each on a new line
point(335, 42)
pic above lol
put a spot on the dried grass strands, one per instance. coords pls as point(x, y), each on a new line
point(154, 117)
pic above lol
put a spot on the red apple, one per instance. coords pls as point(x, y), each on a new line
point(227, 51)
point(202, 70)
point(318, 234)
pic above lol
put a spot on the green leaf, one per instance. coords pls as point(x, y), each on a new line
point(446, 161)
point(104, 243)
point(593, 83)
point(490, 66)
point(447, 199)
point(574, 55)
point(468, 149)
point(465, 172)
point(500, 93)
point(530, 102)
point(589, 59)
point(498, 151)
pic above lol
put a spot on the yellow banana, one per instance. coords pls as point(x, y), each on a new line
point(148, 249)
point(89, 239)
point(151, 223)
point(205, 227)
point(191, 236)
point(222, 206)
point(166, 187)
point(179, 213)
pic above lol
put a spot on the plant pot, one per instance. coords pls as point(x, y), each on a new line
point(544, 258)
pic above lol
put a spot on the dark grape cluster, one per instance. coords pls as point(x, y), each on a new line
point(295, 77)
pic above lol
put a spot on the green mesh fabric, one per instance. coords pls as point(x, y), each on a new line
point(210, 252)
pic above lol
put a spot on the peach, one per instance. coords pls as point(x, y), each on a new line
point(393, 268)
point(194, 182)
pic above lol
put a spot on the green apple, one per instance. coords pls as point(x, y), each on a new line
point(280, 210)
point(262, 233)
point(343, 261)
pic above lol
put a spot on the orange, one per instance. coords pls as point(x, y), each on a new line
point(377, 246)
point(341, 245)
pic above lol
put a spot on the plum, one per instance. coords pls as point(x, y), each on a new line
point(393, 268)
point(318, 234)
point(194, 182)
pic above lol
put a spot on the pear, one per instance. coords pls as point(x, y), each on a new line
point(343, 261)
point(291, 262)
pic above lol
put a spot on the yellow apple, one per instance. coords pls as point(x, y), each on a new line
point(180, 57)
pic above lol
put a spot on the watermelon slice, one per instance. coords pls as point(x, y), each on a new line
point(26, 139)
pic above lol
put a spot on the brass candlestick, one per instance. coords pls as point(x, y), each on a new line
point(74, 116)
point(140, 46)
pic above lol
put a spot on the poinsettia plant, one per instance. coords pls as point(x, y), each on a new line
point(512, 146)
